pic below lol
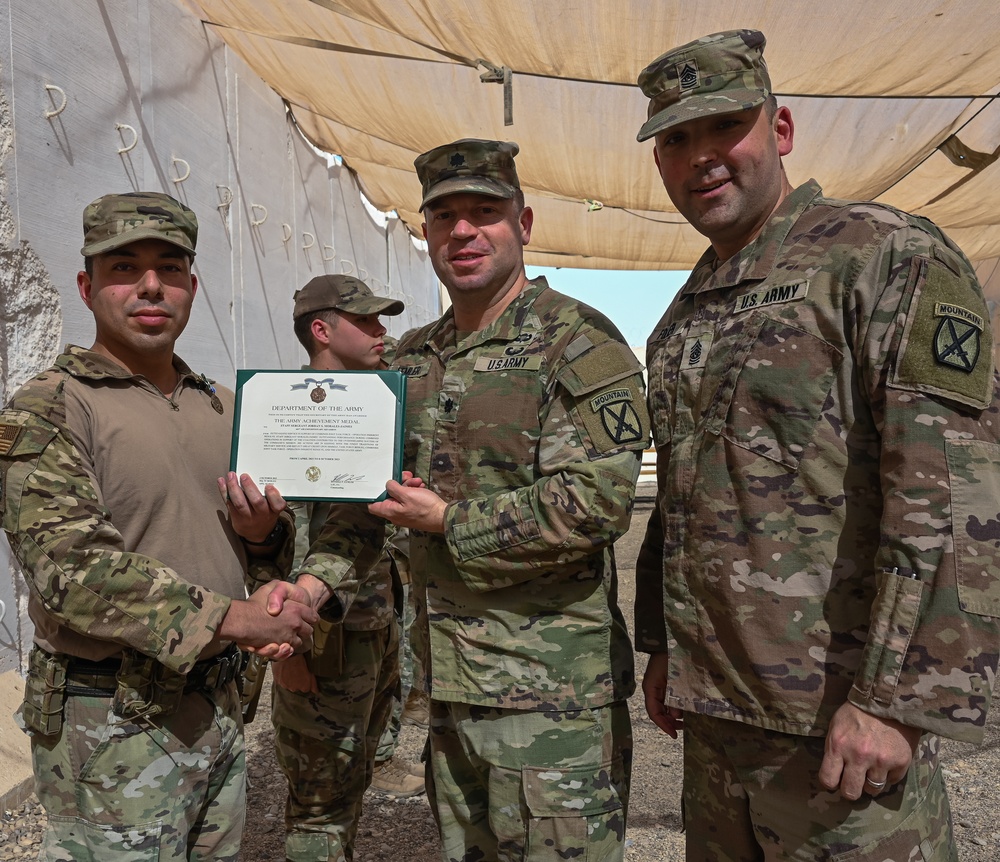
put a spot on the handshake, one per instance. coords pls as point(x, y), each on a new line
point(275, 622)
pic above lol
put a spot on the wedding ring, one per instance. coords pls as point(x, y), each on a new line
point(878, 785)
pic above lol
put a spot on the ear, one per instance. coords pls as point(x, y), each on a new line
point(526, 219)
point(85, 286)
point(194, 285)
point(423, 227)
point(784, 130)
point(656, 157)
point(319, 329)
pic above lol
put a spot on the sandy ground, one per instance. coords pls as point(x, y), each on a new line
point(403, 829)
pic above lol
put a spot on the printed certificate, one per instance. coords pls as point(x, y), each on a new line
point(320, 435)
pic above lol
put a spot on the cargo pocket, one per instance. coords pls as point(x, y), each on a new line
point(72, 838)
point(974, 474)
point(782, 387)
point(325, 658)
point(575, 813)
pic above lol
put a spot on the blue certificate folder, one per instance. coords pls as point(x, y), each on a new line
point(320, 435)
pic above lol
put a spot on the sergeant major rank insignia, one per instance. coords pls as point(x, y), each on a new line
point(618, 416)
point(687, 75)
point(956, 341)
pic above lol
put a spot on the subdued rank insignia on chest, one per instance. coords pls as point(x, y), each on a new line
point(696, 348)
point(509, 363)
point(8, 437)
point(956, 341)
point(771, 295)
point(618, 416)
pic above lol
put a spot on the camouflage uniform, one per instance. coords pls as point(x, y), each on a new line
point(326, 741)
point(97, 537)
point(410, 673)
point(832, 389)
point(533, 427)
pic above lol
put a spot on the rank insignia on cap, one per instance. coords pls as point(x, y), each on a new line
point(8, 437)
point(457, 160)
point(687, 74)
point(957, 341)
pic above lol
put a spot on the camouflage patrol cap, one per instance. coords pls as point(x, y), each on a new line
point(116, 220)
point(717, 74)
point(342, 293)
point(468, 165)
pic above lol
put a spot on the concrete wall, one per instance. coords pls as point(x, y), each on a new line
point(273, 213)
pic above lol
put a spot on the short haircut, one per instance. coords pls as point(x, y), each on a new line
point(303, 326)
point(518, 202)
point(770, 107)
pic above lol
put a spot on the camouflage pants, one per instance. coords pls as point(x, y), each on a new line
point(752, 795)
point(164, 789)
point(325, 745)
point(510, 785)
point(387, 744)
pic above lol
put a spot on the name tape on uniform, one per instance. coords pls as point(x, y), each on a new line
point(771, 296)
point(509, 363)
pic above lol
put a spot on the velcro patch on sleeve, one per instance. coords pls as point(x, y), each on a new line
point(611, 406)
point(8, 436)
point(599, 367)
point(948, 344)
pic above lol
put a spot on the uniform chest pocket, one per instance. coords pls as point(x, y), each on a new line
point(780, 391)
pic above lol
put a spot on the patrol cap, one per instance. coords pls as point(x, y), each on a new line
point(468, 165)
point(116, 220)
point(343, 293)
point(717, 74)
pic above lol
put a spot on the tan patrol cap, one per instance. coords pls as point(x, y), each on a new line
point(116, 220)
point(469, 165)
point(718, 74)
point(342, 293)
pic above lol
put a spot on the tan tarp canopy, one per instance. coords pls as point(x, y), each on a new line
point(892, 101)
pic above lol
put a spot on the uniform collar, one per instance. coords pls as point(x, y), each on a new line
point(442, 337)
point(87, 365)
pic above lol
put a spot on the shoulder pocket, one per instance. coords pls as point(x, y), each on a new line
point(609, 410)
point(26, 437)
point(947, 345)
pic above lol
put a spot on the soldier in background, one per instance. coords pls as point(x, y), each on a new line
point(525, 418)
point(135, 563)
point(332, 704)
point(818, 586)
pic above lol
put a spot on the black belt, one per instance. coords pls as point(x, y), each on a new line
point(100, 678)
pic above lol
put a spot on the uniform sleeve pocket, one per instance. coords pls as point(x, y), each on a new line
point(974, 474)
point(780, 392)
point(893, 621)
point(27, 440)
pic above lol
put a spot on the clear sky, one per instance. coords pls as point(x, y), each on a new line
point(634, 300)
